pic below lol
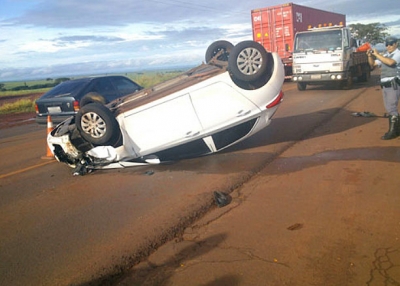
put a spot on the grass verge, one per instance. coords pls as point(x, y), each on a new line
point(19, 106)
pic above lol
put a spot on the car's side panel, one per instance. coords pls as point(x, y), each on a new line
point(166, 124)
point(220, 106)
point(267, 93)
point(209, 144)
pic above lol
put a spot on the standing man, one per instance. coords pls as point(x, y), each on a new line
point(390, 82)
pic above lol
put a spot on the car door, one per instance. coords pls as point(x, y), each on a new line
point(218, 106)
point(161, 125)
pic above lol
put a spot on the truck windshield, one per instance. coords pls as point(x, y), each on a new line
point(318, 41)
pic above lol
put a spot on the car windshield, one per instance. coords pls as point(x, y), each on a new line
point(66, 88)
point(319, 41)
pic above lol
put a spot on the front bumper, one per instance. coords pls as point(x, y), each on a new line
point(320, 77)
point(66, 144)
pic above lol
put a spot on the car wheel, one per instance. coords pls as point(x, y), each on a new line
point(301, 86)
point(98, 125)
point(92, 97)
point(222, 47)
point(248, 61)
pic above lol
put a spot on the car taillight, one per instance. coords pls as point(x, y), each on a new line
point(277, 100)
point(76, 105)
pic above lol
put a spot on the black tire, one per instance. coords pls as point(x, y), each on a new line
point(366, 75)
point(348, 83)
point(98, 125)
point(219, 46)
point(301, 86)
point(92, 97)
point(248, 61)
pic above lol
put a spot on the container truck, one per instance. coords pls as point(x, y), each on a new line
point(274, 27)
point(328, 55)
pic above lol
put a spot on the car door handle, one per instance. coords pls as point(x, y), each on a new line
point(191, 134)
point(243, 113)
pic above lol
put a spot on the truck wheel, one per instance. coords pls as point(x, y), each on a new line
point(366, 75)
point(301, 86)
point(222, 47)
point(248, 61)
point(98, 125)
point(347, 84)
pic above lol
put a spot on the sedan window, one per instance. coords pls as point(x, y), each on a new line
point(125, 86)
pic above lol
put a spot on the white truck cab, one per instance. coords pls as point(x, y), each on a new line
point(325, 55)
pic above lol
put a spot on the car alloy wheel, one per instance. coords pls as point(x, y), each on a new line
point(93, 124)
point(248, 61)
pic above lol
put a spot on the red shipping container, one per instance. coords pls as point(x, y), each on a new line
point(275, 27)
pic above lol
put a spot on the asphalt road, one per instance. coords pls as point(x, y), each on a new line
point(57, 229)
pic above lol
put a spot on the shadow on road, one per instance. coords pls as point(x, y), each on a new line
point(299, 127)
point(294, 164)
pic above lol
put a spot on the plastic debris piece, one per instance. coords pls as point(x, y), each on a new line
point(81, 169)
point(149, 173)
point(364, 114)
point(222, 199)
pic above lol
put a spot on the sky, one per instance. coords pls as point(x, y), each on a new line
point(52, 38)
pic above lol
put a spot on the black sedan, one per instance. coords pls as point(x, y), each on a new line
point(65, 99)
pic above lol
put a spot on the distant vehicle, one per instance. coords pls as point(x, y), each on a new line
point(274, 27)
point(65, 99)
point(328, 55)
point(204, 110)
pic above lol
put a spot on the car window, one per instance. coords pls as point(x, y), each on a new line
point(67, 88)
point(125, 86)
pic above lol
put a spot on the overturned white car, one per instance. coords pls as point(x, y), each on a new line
point(202, 111)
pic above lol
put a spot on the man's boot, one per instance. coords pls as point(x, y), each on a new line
point(393, 128)
point(398, 125)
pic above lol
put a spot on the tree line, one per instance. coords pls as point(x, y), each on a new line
point(373, 33)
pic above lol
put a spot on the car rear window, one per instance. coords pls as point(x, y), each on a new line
point(66, 88)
